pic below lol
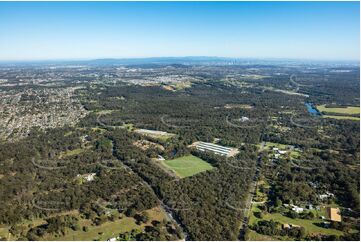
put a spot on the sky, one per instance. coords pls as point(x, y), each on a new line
point(88, 30)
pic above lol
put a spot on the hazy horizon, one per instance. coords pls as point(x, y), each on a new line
point(180, 57)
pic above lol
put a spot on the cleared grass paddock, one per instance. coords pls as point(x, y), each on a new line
point(341, 110)
point(187, 165)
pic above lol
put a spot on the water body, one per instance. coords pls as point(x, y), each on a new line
point(312, 110)
point(174, 152)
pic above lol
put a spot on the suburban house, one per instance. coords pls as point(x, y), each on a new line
point(326, 195)
point(87, 177)
point(297, 209)
point(290, 226)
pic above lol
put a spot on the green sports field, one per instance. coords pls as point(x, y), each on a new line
point(345, 111)
point(342, 110)
point(187, 165)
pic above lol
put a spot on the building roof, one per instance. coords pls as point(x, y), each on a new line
point(217, 149)
point(334, 214)
point(286, 226)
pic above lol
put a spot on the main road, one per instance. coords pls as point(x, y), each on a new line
point(252, 192)
point(171, 215)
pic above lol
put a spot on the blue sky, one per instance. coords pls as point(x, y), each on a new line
point(81, 30)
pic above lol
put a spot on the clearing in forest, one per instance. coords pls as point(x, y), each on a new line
point(109, 229)
point(342, 117)
point(235, 105)
point(290, 149)
point(177, 86)
point(78, 151)
point(161, 135)
point(187, 165)
point(339, 110)
point(310, 225)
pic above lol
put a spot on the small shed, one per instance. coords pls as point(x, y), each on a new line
point(334, 214)
point(286, 226)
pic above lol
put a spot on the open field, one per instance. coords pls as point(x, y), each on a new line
point(254, 236)
point(104, 112)
point(102, 232)
point(77, 151)
point(155, 134)
point(269, 145)
point(68, 133)
point(108, 229)
point(4, 229)
point(145, 144)
point(4, 232)
point(309, 225)
point(346, 110)
point(261, 196)
point(235, 105)
point(71, 153)
point(177, 86)
point(342, 117)
point(187, 165)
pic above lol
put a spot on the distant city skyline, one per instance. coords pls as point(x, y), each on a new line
point(95, 30)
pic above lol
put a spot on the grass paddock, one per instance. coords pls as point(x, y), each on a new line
point(341, 110)
point(187, 165)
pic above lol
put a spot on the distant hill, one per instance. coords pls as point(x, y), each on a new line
point(179, 62)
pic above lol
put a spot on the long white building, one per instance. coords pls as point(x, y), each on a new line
point(216, 149)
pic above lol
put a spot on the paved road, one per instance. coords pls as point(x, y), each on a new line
point(252, 192)
point(293, 81)
point(170, 214)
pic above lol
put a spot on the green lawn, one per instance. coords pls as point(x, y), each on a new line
point(254, 236)
point(102, 232)
point(108, 229)
point(4, 232)
point(342, 117)
point(341, 110)
point(261, 196)
point(68, 133)
point(65, 154)
point(277, 145)
point(187, 165)
point(235, 105)
point(182, 85)
point(309, 225)
point(4, 229)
